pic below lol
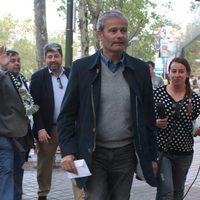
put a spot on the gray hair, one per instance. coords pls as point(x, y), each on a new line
point(112, 13)
point(52, 47)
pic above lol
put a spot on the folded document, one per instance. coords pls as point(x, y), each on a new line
point(82, 169)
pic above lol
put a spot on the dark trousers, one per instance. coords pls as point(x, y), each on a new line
point(112, 174)
point(172, 176)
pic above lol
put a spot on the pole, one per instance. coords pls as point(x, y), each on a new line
point(69, 34)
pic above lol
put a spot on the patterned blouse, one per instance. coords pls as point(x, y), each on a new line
point(177, 138)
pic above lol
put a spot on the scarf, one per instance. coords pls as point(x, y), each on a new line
point(27, 100)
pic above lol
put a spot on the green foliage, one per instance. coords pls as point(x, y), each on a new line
point(8, 30)
point(192, 36)
point(192, 53)
point(19, 36)
point(145, 48)
point(194, 6)
point(26, 51)
point(62, 7)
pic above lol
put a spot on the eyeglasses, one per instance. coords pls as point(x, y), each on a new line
point(60, 85)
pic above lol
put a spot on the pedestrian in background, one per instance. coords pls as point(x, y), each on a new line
point(15, 134)
point(107, 115)
point(177, 106)
point(47, 87)
point(157, 81)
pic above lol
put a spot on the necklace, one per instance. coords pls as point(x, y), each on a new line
point(25, 96)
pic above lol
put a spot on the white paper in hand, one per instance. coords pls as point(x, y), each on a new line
point(82, 169)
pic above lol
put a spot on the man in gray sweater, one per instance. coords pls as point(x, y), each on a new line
point(107, 116)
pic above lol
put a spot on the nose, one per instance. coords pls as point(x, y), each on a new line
point(177, 74)
point(120, 34)
point(53, 58)
point(17, 62)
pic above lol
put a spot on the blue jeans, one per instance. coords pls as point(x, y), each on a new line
point(11, 172)
point(112, 174)
point(6, 169)
point(19, 160)
point(172, 176)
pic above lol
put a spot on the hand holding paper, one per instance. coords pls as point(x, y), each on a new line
point(82, 170)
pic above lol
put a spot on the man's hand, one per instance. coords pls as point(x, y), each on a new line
point(4, 59)
point(155, 167)
point(43, 136)
point(162, 123)
point(67, 164)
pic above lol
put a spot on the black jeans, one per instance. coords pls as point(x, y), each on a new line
point(112, 173)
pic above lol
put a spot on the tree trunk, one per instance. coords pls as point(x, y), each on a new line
point(95, 15)
point(41, 30)
point(83, 27)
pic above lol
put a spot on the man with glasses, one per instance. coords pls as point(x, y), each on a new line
point(47, 87)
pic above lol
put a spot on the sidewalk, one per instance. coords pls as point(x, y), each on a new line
point(62, 190)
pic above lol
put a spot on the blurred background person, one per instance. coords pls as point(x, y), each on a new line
point(157, 81)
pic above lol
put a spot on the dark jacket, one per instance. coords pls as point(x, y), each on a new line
point(13, 119)
point(41, 89)
point(78, 119)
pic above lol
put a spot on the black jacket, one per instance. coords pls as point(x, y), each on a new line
point(41, 89)
point(78, 119)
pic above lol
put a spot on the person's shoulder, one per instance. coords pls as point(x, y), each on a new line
point(159, 89)
point(159, 79)
point(136, 60)
point(67, 71)
point(2, 72)
point(67, 68)
point(136, 63)
point(40, 71)
point(195, 95)
point(89, 58)
point(86, 62)
point(195, 99)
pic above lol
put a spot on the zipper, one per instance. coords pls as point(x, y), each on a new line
point(94, 118)
point(137, 123)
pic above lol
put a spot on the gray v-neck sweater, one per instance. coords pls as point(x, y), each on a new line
point(114, 128)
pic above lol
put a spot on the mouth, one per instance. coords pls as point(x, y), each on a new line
point(119, 43)
point(177, 81)
point(53, 64)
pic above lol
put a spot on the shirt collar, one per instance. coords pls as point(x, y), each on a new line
point(61, 73)
point(107, 61)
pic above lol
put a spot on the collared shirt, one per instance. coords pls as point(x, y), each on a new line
point(59, 84)
point(113, 67)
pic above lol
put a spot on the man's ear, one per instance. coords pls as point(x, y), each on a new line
point(99, 34)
